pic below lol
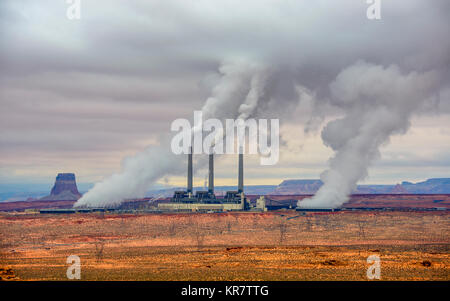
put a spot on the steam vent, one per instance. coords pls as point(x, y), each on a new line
point(65, 189)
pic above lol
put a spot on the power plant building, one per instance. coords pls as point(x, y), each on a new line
point(206, 200)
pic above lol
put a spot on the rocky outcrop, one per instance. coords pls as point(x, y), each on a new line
point(436, 185)
point(298, 187)
point(65, 189)
point(399, 189)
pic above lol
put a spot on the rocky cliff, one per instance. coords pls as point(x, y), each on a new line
point(298, 187)
point(65, 189)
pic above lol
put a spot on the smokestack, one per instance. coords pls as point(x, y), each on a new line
point(211, 173)
point(189, 177)
point(241, 171)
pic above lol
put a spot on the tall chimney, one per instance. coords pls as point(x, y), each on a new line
point(189, 177)
point(211, 173)
point(241, 171)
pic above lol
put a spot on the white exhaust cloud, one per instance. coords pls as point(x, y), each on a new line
point(239, 93)
point(377, 102)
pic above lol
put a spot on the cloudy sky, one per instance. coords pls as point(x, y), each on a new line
point(80, 95)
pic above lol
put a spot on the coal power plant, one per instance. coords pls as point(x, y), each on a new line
point(206, 200)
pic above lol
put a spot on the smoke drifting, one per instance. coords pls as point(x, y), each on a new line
point(378, 102)
point(299, 46)
point(239, 92)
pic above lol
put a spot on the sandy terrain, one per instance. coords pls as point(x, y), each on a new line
point(233, 246)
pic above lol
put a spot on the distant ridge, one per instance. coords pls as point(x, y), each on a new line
point(65, 188)
point(430, 186)
point(433, 186)
point(310, 186)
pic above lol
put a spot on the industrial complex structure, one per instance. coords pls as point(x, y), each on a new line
point(207, 200)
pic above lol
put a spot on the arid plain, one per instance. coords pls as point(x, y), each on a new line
point(282, 245)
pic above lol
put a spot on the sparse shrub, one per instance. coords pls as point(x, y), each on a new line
point(99, 247)
point(426, 263)
point(330, 262)
point(361, 229)
point(255, 220)
point(229, 227)
point(326, 222)
point(199, 236)
point(308, 223)
point(172, 229)
point(283, 229)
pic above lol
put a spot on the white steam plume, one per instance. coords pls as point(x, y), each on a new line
point(239, 92)
point(378, 102)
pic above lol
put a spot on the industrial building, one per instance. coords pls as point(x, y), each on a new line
point(207, 200)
